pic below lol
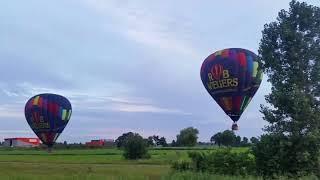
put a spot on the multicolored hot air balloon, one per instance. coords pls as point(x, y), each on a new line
point(232, 77)
point(48, 115)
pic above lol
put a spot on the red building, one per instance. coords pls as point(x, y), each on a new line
point(100, 143)
point(21, 142)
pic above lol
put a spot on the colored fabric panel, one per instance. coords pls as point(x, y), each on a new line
point(60, 112)
point(46, 110)
point(40, 102)
point(38, 116)
point(33, 117)
point(250, 64)
point(255, 69)
point(225, 53)
point(64, 113)
point(56, 110)
point(36, 100)
point(50, 107)
point(244, 102)
point(218, 53)
point(212, 57)
point(69, 114)
point(44, 103)
point(237, 103)
point(247, 103)
point(242, 59)
point(232, 54)
point(29, 105)
point(227, 102)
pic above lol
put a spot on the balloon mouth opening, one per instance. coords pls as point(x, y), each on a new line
point(235, 126)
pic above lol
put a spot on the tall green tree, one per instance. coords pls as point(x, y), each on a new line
point(245, 141)
point(290, 52)
point(156, 139)
point(163, 142)
point(254, 140)
point(173, 143)
point(237, 141)
point(225, 138)
point(217, 139)
point(229, 138)
point(150, 141)
point(121, 140)
point(187, 137)
point(135, 147)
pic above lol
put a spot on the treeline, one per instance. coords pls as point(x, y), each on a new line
point(136, 147)
point(188, 137)
point(228, 138)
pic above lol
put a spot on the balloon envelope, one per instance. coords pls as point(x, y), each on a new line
point(48, 115)
point(232, 77)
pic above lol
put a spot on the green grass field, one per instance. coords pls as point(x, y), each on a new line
point(92, 164)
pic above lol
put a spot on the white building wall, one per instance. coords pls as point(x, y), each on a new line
point(17, 143)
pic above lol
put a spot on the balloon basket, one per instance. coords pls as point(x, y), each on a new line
point(235, 127)
point(49, 150)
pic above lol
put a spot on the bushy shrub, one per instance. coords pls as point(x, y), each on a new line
point(181, 165)
point(279, 155)
point(222, 161)
point(136, 148)
point(233, 163)
point(201, 161)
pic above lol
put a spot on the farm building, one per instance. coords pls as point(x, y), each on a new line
point(100, 143)
point(21, 142)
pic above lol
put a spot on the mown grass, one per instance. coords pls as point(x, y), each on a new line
point(94, 156)
point(204, 176)
point(80, 171)
point(82, 164)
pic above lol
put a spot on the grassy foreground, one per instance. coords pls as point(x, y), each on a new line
point(93, 164)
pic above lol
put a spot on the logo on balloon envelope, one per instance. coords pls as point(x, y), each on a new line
point(220, 78)
point(216, 72)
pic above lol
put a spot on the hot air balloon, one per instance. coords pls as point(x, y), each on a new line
point(48, 115)
point(232, 77)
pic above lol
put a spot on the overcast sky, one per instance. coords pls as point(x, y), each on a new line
point(126, 65)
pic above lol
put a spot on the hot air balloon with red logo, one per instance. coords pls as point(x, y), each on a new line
point(232, 77)
point(48, 115)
